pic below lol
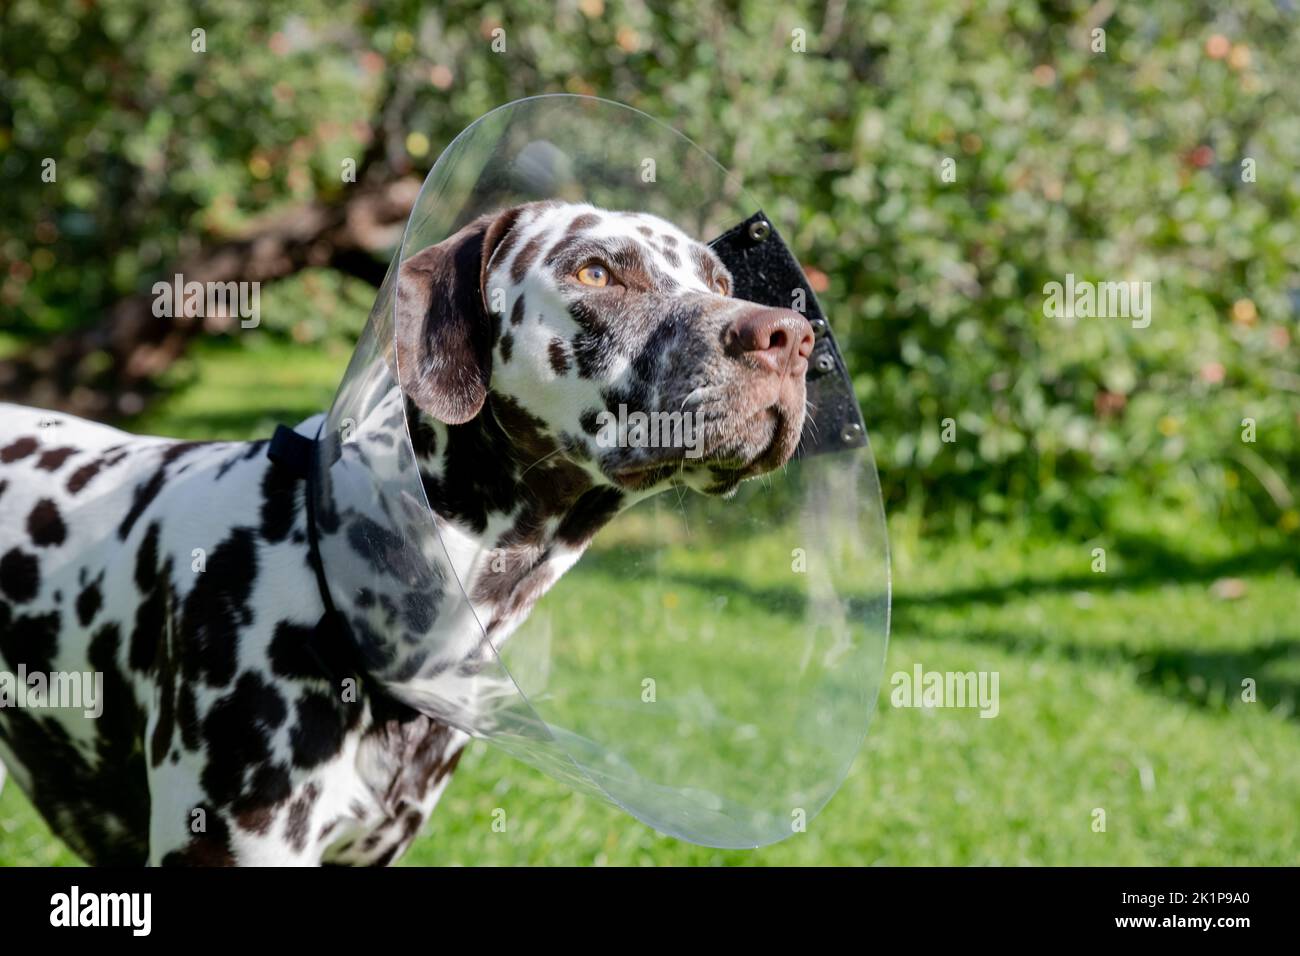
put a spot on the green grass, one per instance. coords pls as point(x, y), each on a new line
point(229, 390)
point(1119, 690)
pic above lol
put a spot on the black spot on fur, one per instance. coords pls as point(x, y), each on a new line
point(151, 614)
point(305, 653)
point(411, 822)
point(411, 665)
point(256, 818)
point(507, 346)
point(419, 611)
point(146, 559)
point(467, 491)
point(375, 652)
point(20, 575)
point(89, 601)
point(81, 477)
point(187, 717)
point(591, 352)
point(291, 652)
point(29, 641)
point(558, 353)
point(216, 610)
point(279, 502)
point(299, 823)
point(252, 450)
point(589, 514)
point(586, 316)
point(18, 450)
point(165, 725)
point(142, 497)
point(581, 222)
point(383, 550)
point(270, 787)
point(564, 244)
point(517, 310)
point(53, 459)
point(121, 727)
point(523, 262)
point(238, 732)
point(388, 855)
point(147, 491)
point(178, 450)
point(318, 734)
point(45, 525)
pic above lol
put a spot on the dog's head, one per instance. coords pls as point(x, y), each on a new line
point(617, 334)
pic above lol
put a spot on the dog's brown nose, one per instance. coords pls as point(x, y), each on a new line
point(779, 339)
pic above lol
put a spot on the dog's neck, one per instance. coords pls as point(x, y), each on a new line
point(516, 506)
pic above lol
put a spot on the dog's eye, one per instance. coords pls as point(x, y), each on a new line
point(594, 274)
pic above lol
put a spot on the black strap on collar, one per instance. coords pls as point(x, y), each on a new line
point(294, 452)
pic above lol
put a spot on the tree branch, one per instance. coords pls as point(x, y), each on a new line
point(70, 373)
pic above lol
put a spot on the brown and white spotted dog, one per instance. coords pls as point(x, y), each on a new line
point(179, 570)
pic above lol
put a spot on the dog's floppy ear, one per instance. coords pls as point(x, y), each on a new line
point(444, 332)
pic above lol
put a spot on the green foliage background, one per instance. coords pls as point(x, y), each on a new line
point(1117, 165)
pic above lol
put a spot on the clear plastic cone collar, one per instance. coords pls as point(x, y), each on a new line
point(595, 487)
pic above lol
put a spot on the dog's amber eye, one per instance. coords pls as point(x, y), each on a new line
point(594, 275)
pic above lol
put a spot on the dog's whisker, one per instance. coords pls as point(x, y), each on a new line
point(546, 457)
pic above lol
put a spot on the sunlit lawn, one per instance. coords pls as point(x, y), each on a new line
point(1120, 691)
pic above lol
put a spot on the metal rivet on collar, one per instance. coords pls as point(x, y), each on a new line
point(825, 363)
point(819, 328)
point(760, 230)
point(851, 432)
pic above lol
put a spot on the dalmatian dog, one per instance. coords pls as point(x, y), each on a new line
point(179, 573)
